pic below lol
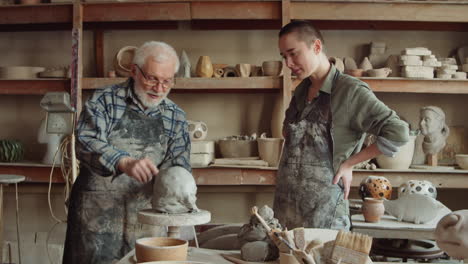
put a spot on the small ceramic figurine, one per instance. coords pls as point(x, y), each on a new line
point(433, 127)
point(185, 66)
point(451, 234)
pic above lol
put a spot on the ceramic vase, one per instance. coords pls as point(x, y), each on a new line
point(204, 67)
point(372, 209)
point(402, 159)
point(243, 69)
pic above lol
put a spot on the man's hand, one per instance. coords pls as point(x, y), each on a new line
point(141, 170)
point(345, 172)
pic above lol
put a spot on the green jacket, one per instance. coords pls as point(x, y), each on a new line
point(355, 112)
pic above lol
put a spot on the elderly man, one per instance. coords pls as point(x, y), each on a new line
point(126, 133)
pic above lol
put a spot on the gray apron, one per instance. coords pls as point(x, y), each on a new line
point(305, 195)
point(102, 217)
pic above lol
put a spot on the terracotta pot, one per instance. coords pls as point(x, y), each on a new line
point(402, 159)
point(160, 248)
point(372, 209)
point(204, 67)
point(269, 150)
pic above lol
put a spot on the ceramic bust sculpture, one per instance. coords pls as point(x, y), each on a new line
point(174, 191)
point(433, 127)
point(451, 234)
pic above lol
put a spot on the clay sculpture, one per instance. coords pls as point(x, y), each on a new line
point(415, 208)
point(451, 234)
point(175, 191)
point(420, 187)
point(253, 238)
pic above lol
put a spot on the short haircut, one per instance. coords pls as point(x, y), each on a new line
point(157, 50)
point(304, 29)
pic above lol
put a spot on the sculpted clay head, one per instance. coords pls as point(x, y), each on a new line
point(174, 191)
point(451, 234)
point(433, 127)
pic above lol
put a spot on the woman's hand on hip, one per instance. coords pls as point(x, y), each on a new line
point(345, 173)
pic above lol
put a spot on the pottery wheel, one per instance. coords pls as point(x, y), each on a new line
point(173, 221)
point(406, 248)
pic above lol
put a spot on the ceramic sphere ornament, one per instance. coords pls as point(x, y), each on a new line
point(198, 130)
point(375, 187)
point(421, 187)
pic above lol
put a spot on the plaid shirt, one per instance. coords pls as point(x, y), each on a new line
point(105, 109)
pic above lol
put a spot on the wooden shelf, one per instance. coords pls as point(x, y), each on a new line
point(404, 13)
point(208, 84)
point(33, 86)
point(39, 173)
point(45, 16)
point(265, 84)
point(34, 172)
point(404, 85)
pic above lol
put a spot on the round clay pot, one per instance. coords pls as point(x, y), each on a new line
point(402, 159)
point(269, 150)
point(272, 68)
point(160, 248)
point(372, 209)
point(204, 67)
point(123, 61)
point(462, 161)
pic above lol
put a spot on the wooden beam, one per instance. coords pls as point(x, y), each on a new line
point(44, 13)
point(149, 11)
point(234, 176)
point(403, 85)
point(235, 10)
point(380, 11)
point(99, 52)
point(235, 24)
point(33, 86)
point(251, 83)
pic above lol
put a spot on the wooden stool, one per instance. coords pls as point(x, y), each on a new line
point(6, 179)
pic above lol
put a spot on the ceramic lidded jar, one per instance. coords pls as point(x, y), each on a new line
point(372, 209)
point(204, 67)
point(375, 187)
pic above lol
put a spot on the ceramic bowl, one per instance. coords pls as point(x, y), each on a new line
point(355, 73)
point(272, 68)
point(379, 73)
point(269, 150)
point(161, 249)
point(123, 61)
point(232, 148)
point(20, 72)
point(462, 160)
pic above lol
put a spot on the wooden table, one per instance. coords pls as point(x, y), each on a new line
point(389, 227)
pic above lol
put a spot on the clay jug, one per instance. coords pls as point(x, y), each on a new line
point(372, 209)
point(204, 67)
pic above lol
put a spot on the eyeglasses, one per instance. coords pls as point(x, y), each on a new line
point(154, 82)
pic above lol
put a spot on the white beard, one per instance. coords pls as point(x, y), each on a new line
point(146, 100)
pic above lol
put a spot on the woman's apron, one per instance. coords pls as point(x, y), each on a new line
point(305, 195)
point(102, 217)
